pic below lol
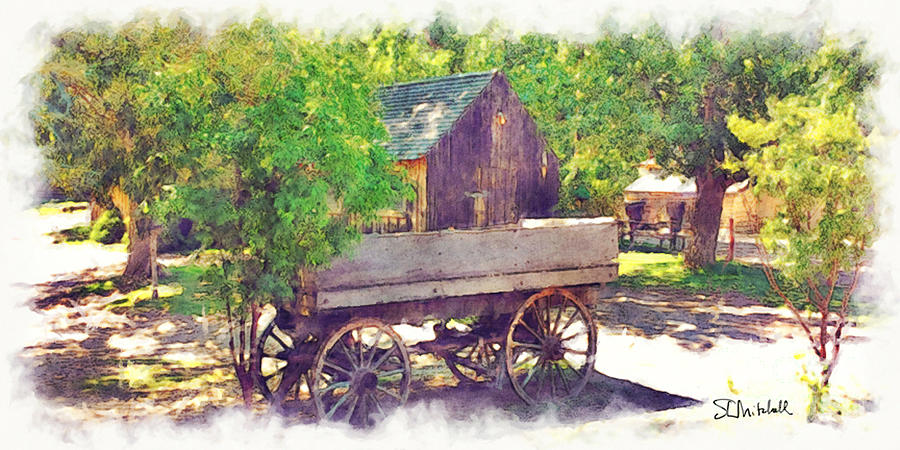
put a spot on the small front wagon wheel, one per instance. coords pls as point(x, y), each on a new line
point(550, 347)
point(360, 374)
point(279, 369)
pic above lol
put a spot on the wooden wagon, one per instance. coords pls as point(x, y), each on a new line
point(523, 291)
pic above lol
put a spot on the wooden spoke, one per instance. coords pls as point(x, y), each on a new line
point(280, 342)
point(352, 408)
point(554, 376)
point(347, 353)
point(336, 406)
point(392, 394)
point(334, 366)
point(357, 389)
point(568, 324)
point(374, 348)
point(533, 333)
point(526, 345)
point(377, 404)
point(559, 312)
point(577, 352)
point(541, 324)
point(562, 378)
point(383, 358)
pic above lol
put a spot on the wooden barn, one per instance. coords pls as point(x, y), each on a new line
point(472, 152)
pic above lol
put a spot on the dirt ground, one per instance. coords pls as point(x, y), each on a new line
point(90, 361)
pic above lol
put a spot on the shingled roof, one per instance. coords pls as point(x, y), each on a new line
point(418, 113)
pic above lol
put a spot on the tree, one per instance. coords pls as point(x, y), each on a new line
point(286, 168)
point(393, 54)
point(812, 153)
point(697, 87)
point(108, 131)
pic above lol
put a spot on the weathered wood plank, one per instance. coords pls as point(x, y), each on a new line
point(490, 284)
point(533, 246)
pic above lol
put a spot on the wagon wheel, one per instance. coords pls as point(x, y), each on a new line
point(479, 356)
point(480, 360)
point(360, 374)
point(550, 347)
point(277, 372)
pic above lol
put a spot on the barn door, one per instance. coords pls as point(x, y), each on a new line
point(495, 201)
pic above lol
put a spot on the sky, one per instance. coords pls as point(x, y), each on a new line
point(27, 25)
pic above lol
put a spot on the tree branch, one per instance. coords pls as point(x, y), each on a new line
point(770, 276)
point(838, 333)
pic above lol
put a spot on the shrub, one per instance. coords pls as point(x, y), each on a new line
point(108, 228)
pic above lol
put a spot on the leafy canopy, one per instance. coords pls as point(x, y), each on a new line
point(291, 136)
point(103, 118)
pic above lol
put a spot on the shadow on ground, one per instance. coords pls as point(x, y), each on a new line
point(601, 399)
point(695, 321)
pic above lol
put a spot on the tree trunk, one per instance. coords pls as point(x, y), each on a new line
point(705, 219)
point(138, 267)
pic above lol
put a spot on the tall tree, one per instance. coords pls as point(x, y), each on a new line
point(108, 132)
point(285, 170)
point(711, 76)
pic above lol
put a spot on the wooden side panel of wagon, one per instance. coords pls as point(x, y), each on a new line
point(535, 254)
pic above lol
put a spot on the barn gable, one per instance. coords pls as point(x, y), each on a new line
point(472, 152)
point(419, 113)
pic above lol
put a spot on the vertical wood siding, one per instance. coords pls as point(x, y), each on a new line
point(492, 163)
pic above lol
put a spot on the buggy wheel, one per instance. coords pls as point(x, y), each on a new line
point(278, 370)
point(360, 374)
point(550, 347)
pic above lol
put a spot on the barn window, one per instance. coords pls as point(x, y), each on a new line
point(501, 119)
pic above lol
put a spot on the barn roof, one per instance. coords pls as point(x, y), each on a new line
point(418, 113)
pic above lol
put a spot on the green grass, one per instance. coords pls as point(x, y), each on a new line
point(179, 293)
point(79, 233)
point(642, 270)
point(102, 288)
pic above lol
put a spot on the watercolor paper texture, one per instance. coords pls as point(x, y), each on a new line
point(511, 196)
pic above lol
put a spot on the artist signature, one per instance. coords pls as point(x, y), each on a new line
point(735, 409)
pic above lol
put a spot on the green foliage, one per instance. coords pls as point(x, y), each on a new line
point(108, 228)
point(102, 119)
point(392, 54)
point(294, 136)
point(813, 156)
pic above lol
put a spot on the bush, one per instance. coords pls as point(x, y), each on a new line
point(108, 228)
point(177, 237)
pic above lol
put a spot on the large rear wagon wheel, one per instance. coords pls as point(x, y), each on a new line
point(361, 374)
point(550, 347)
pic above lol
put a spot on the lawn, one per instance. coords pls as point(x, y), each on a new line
point(641, 270)
point(180, 292)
